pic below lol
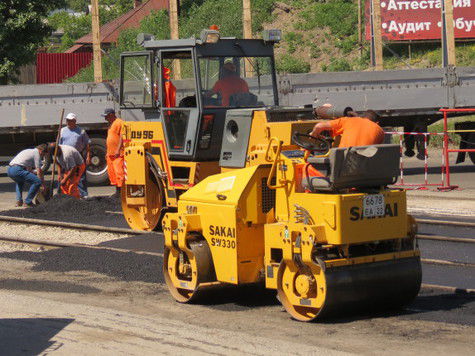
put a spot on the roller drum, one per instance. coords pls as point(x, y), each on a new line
point(374, 286)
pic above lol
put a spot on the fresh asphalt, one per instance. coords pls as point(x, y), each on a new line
point(431, 304)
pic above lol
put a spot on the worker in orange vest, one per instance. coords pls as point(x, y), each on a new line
point(115, 149)
point(354, 131)
point(231, 83)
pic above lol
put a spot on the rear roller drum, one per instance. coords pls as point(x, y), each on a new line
point(184, 271)
point(145, 217)
point(308, 292)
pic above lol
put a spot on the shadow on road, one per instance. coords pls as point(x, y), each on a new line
point(30, 336)
point(456, 308)
point(236, 298)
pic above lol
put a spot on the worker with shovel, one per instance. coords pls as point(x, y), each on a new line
point(71, 167)
point(75, 136)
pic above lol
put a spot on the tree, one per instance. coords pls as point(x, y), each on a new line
point(23, 30)
point(120, 6)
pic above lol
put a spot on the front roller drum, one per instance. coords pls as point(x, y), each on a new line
point(186, 271)
point(308, 293)
point(145, 217)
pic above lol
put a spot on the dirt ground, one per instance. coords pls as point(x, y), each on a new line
point(63, 283)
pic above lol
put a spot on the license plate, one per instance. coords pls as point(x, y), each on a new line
point(373, 205)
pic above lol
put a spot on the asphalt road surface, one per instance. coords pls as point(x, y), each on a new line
point(81, 301)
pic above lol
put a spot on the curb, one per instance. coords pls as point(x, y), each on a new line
point(448, 289)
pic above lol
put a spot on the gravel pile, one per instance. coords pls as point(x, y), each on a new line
point(94, 211)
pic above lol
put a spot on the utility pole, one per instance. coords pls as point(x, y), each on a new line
point(96, 41)
point(360, 36)
point(376, 39)
point(174, 35)
point(247, 31)
point(448, 36)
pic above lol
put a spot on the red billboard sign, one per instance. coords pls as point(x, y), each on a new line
point(403, 20)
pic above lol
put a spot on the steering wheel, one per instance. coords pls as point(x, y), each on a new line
point(210, 98)
point(313, 144)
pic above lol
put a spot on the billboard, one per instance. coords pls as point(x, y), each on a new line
point(404, 20)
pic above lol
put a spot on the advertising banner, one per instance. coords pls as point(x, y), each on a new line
point(404, 20)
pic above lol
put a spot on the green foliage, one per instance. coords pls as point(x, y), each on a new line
point(454, 139)
point(117, 6)
point(156, 24)
point(347, 44)
point(315, 50)
point(291, 64)
point(23, 30)
point(465, 54)
point(341, 16)
point(293, 40)
point(227, 15)
point(260, 13)
point(338, 65)
point(297, 4)
point(73, 27)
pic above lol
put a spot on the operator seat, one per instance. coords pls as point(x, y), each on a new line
point(242, 100)
point(355, 167)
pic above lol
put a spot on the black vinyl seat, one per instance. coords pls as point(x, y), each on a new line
point(355, 167)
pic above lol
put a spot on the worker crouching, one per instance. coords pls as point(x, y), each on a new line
point(71, 167)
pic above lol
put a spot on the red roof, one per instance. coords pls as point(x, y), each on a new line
point(110, 31)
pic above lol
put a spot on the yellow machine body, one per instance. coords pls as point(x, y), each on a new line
point(258, 224)
point(224, 210)
point(144, 143)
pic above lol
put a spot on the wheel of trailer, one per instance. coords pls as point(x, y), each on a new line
point(301, 290)
point(184, 271)
point(145, 217)
point(97, 170)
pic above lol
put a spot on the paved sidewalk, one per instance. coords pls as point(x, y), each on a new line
point(453, 203)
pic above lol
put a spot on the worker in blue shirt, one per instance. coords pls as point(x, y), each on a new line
point(26, 168)
point(73, 135)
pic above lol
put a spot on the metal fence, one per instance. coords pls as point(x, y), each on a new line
point(55, 67)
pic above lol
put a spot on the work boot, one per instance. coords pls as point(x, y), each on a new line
point(409, 153)
point(19, 203)
point(421, 156)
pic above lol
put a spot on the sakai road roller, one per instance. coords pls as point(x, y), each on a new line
point(244, 196)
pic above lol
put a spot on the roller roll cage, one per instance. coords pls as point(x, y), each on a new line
point(142, 81)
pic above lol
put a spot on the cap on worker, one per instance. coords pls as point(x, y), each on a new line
point(71, 116)
point(229, 65)
point(108, 111)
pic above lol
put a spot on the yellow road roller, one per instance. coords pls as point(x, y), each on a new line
point(244, 196)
